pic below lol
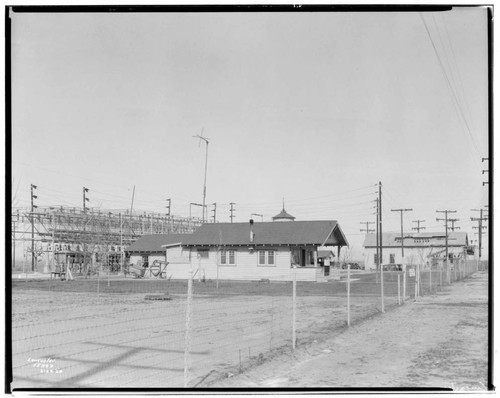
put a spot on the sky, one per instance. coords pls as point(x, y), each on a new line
point(311, 108)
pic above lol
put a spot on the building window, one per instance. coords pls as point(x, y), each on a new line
point(266, 260)
point(270, 257)
point(375, 258)
point(227, 257)
point(392, 258)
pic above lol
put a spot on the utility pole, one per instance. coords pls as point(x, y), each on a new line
point(445, 228)
point(418, 227)
point(215, 211)
point(453, 221)
point(479, 227)
point(368, 229)
point(380, 219)
point(381, 243)
point(377, 262)
point(402, 235)
point(168, 207)
point(85, 199)
point(484, 171)
point(33, 207)
point(206, 162)
point(194, 204)
point(232, 210)
point(258, 215)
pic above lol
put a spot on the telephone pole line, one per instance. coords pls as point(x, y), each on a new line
point(232, 210)
point(418, 227)
point(214, 210)
point(85, 199)
point(479, 227)
point(485, 171)
point(402, 237)
point(367, 229)
point(168, 207)
point(453, 221)
point(445, 219)
point(33, 207)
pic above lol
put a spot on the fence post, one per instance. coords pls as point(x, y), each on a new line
point(430, 280)
point(416, 282)
point(399, 289)
point(348, 294)
point(404, 284)
point(187, 337)
point(382, 286)
point(294, 300)
point(440, 277)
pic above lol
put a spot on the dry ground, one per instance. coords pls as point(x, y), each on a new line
point(66, 335)
point(439, 341)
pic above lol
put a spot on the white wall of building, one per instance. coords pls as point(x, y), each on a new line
point(412, 255)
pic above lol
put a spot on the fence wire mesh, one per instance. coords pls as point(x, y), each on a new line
point(110, 332)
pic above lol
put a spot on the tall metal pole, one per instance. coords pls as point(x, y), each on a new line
point(33, 196)
point(205, 179)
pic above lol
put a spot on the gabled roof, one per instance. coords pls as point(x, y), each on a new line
point(267, 234)
point(153, 243)
point(422, 239)
point(325, 253)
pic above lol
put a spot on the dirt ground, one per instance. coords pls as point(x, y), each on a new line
point(438, 341)
point(65, 334)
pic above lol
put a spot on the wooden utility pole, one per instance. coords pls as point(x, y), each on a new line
point(377, 262)
point(446, 229)
point(402, 237)
point(479, 227)
point(453, 221)
point(33, 207)
point(232, 210)
point(85, 199)
point(380, 218)
point(418, 227)
point(215, 211)
point(367, 229)
point(485, 171)
point(168, 207)
point(381, 243)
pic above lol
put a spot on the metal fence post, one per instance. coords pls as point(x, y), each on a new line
point(187, 337)
point(430, 280)
point(294, 305)
point(348, 294)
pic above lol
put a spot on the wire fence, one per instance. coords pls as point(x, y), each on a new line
point(108, 332)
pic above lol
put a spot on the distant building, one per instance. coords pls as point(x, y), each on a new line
point(164, 247)
point(427, 249)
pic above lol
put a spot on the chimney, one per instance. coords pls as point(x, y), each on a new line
point(251, 231)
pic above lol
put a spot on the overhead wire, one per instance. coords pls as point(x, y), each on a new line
point(451, 90)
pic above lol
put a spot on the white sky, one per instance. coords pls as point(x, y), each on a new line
point(313, 107)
